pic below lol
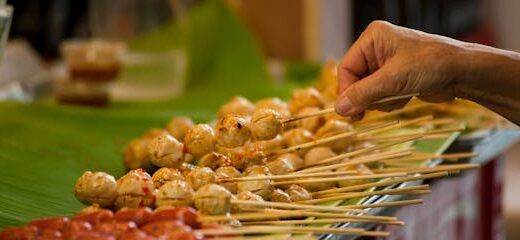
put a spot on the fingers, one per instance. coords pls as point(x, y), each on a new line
point(359, 95)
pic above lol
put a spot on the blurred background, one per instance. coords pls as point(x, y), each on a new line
point(154, 51)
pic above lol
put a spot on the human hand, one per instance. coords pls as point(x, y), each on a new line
point(389, 60)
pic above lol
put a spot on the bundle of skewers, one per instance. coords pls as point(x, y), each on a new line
point(259, 163)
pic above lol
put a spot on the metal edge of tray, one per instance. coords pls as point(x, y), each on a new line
point(487, 148)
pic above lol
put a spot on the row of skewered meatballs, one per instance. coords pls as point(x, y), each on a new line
point(169, 188)
point(202, 187)
point(240, 123)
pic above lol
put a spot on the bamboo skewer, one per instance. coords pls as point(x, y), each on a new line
point(331, 138)
point(386, 204)
point(343, 196)
point(380, 183)
point(397, 112)
point(288, 176)
point(364, 159)
point(290, 229)
point(308, 213)
point(313, 114)
point(334, 179)
point(295, 206)
point(445, 157)
point(448, 168)
point(314, 221)
point(399, 125)
point(393, 137)
point(332, 110)
point(263, 214)
point(364, 150)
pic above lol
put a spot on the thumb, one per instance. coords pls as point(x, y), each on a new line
point(358, 96)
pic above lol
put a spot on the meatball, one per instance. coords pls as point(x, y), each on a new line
point(166, 151)
point(200, 140)
point(293, 159)
point(361, 170)
point(257, 169)
point(214, 160)
point(228, 172)
point(176, 193)
point(135, 189)
point(163, 175)
point(298, 193)
point(281, 166)
point(302, 98)
point(213, 199)
point(279, 195)
point(318, 154)
point(242, 157)
point(262, 188)
point(237, 106)
point(96, 188)
point(201, 176)
point(313, 123)
point(179, 126)
point(276, 104)
point(318, 186)
point(135, 155)
point(271, 145)
point(335, 127)
point(232, 131)
point(247, 196)
point(297, 136)
point(266, 124)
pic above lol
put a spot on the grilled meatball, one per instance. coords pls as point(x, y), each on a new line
point(297, 136)
point(228, 172)
point(257, 169)
point(214, 160)
point(334, 127)
point(242, 157)
point(175, 193)
point(96, 188)
point(237, 106)
point(266, 124)
point(318, 186)
point(276, 104)
point(201, 176)
point(232, 131)
point(278, 195)
point(247, 196)
point(166, 151)
point(213, 199)
point(361, 170)
point(281, 165)
point(179, 126)
point(318, 154)
point(271, 145)
point(135, 189)
point(163, 175)
point(200, 140)
point(298, 193)
point(302, 98)
point(312, 123)
point(262, 188)
point(135, 155)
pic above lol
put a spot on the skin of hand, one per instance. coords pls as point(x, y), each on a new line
point(389, 60)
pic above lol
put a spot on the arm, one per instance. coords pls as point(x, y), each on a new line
point(388, 60)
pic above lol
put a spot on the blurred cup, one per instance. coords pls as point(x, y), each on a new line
point(90, 68)
point(93, 60)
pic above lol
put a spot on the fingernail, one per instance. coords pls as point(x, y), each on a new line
point(344, 106)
